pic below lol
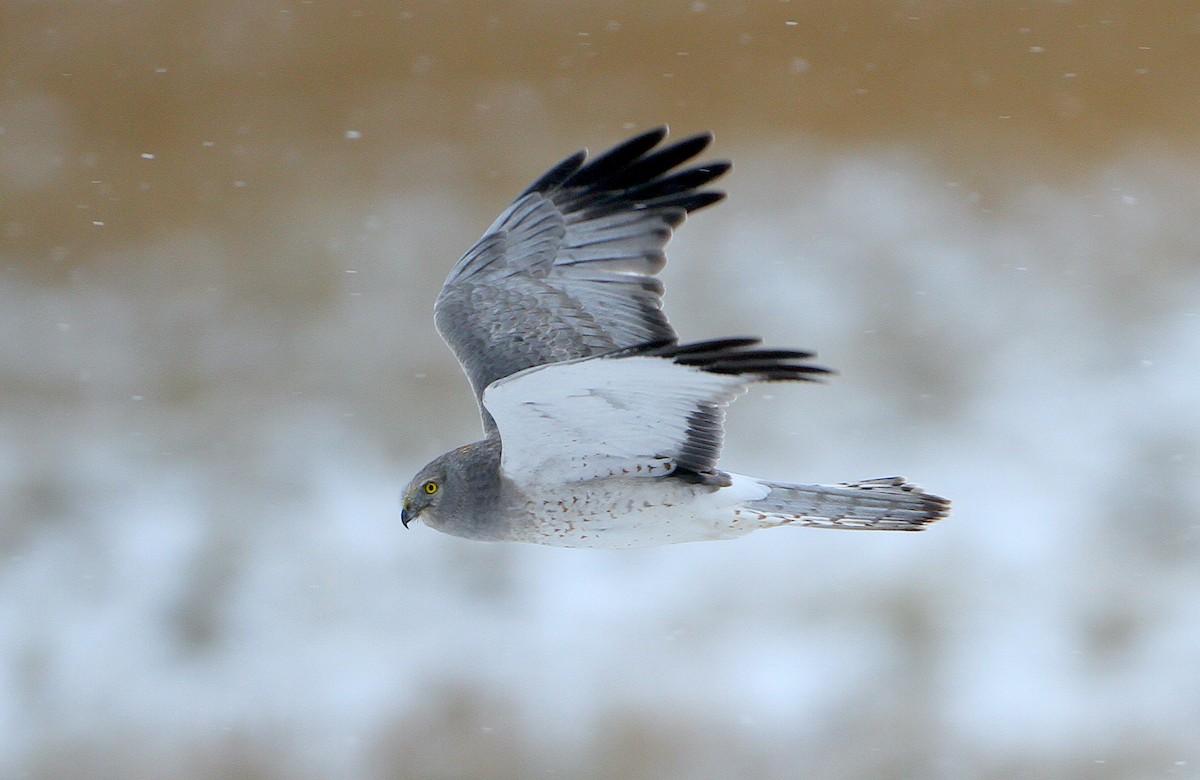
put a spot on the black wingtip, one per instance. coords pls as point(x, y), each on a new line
point(735, 356)
point(639, 172)
point(558, 174)
point(617, 158)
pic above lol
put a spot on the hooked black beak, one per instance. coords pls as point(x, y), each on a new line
point(405, 517)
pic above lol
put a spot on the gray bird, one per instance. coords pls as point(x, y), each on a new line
point(600, 428)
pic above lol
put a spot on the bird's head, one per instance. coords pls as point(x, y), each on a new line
point(425, 491)
point(440, 487)
point(455, 492)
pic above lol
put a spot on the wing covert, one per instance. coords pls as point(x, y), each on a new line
point(569, 270)
point(649, 411)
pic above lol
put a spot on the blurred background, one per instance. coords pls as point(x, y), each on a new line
point(222, 229)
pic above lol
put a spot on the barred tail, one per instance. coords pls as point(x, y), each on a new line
point(888, 504)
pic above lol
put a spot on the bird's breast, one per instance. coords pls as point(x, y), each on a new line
point(623, 513)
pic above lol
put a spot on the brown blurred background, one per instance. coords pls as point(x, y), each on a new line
point(222, 228)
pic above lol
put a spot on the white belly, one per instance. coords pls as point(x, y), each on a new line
point(621, 513)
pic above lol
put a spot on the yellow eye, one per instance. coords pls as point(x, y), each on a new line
point(430, 487)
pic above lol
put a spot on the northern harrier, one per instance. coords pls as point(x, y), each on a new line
point(601, 429)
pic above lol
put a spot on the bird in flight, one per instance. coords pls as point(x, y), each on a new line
point(600, 428)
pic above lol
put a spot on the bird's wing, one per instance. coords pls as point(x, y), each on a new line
point(652, 411)
point(569, 269)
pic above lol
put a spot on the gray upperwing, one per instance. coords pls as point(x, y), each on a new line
point(569, 269)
